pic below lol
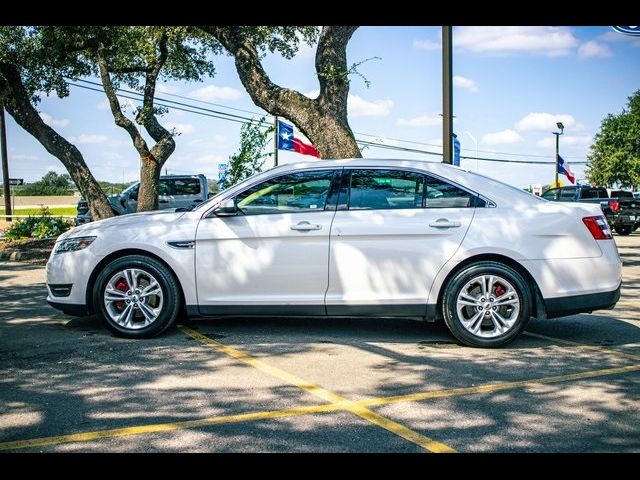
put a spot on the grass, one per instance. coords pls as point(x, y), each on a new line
point(55, 211)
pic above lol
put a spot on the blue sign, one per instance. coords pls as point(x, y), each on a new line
point(456, 150)
point(634, 31)
point(222, 167)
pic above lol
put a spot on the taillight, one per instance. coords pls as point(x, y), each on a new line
point(598, 227)
point(615, 206)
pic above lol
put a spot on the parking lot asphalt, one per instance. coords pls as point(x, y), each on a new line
point(309, 385)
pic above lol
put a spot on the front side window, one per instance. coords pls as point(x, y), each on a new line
point(385, 189)
point(292, 193)
point(551, 194)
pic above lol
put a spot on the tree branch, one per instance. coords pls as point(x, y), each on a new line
point(114, 104)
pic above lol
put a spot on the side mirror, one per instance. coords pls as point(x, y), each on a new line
point(226, 209)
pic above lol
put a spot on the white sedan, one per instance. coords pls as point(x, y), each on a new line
point(366, 237)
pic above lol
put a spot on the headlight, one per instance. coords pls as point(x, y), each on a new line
point(74, 244)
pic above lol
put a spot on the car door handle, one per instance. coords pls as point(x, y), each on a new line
point(444, 223)
point(306, 226)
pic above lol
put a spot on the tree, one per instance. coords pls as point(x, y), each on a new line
point(615, 154)
point(323, 119)
point(251, 156)
point(50, 184)
point(26, 69)
point(138, 57)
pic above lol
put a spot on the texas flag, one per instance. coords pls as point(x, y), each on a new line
point(294, 143)
point(565, 169)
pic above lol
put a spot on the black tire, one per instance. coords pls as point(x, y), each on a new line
point(458, 282)
point(624, 229)
point(168, 284)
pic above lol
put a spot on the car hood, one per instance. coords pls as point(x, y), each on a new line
point(144, 223)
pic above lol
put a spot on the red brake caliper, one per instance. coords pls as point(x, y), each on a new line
point(500, 290)
point(123, 286)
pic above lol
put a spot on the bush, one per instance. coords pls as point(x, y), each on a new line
point(45, 226)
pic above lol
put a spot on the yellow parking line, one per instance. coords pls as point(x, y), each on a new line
point(311, 409)
point(165, 427)
point(493, 387)
point(609, 351)
point(359, 410)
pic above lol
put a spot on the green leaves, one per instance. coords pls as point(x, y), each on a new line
point(251, 156)
point(615, 154)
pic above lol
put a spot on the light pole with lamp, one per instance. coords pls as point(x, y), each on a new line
point(557, 134)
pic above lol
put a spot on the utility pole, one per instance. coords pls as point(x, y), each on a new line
point(5, 165)
point(447, 95)
point(275, 141)
point(557, 134)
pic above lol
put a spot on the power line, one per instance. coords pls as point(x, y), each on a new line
point(243, 119)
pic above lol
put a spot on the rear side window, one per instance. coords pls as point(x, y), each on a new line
point(567, 194)
point(551, 194)
point(385, 189)
point(440, 194)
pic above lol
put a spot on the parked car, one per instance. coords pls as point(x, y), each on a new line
point(345, 238)
point(622, 212)
point(174, 191)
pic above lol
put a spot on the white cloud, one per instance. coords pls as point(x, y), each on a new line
point(54, 122)
point(426, 45)
point(359, 107)
point(213, 93)
point(593, 49)
point(501, 138)
point(539, 121)
point(111, 156)
point(88, 139)
point(180, 128)
point(619, 37)
point(466, 83)
point(566, 140)
point(429, 120)
point(164, 88)
point(547, 41)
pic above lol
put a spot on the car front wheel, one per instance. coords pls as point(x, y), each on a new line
point(487, 304)
point(136, 297)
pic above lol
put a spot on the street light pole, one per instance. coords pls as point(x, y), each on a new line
point(557, 134)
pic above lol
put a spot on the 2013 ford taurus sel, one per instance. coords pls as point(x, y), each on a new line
point(346, 238)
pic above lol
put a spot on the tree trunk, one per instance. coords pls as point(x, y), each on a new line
point(324, 119)
point(18, 104)
point(149, 181)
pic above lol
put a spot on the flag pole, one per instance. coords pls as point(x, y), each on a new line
point(275, 141)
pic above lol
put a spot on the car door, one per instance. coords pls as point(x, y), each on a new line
point(393, 231)
point(165, 194)
point(272, 257)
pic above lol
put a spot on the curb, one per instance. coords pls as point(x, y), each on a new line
point(15, 255)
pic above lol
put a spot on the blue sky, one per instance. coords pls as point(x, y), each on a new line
point(511, 86)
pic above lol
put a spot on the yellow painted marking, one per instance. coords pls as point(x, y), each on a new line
point(609, 351)
point(311, 409)
point(344, 404)
point(165, 427)
point(493, 387)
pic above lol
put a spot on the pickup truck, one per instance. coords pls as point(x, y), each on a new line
point(622, 213)
point(174, 191)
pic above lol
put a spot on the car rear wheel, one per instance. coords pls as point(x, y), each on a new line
point(487, 304)
point(624, 230)
point(136, 297)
